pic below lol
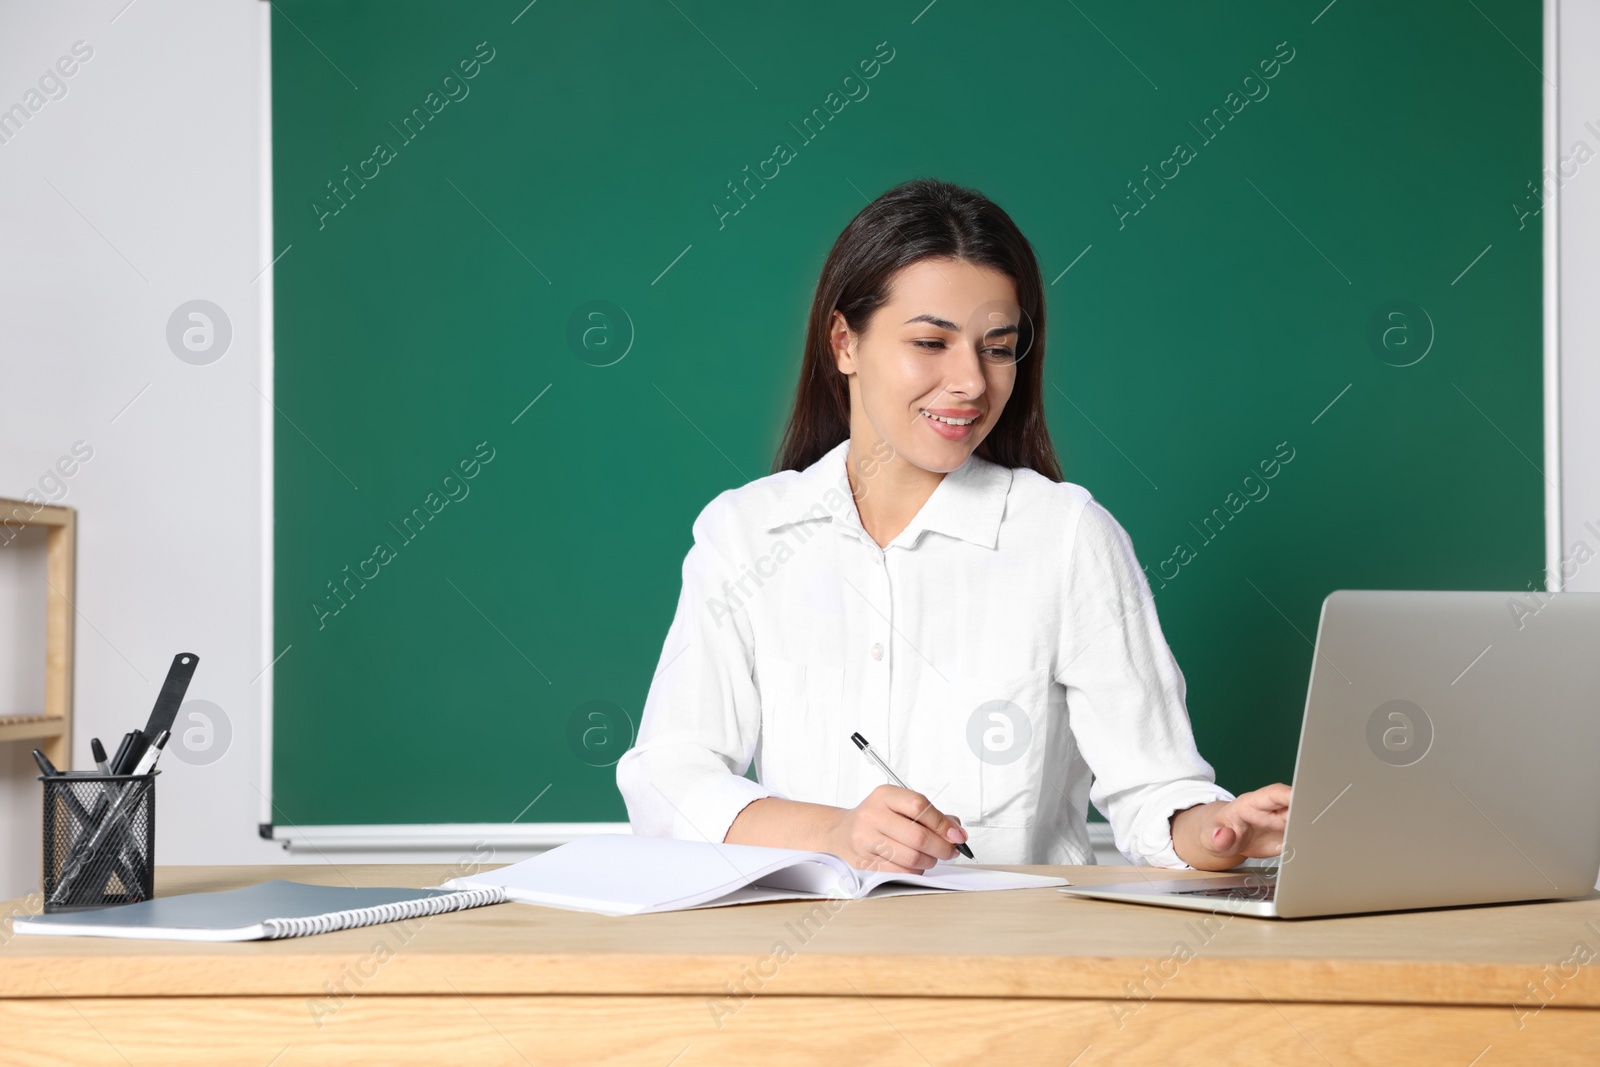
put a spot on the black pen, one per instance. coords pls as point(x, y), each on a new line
point(46, 768)
point(118, 766)
point(866, 750)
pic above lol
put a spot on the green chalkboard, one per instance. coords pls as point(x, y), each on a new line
point(512, 248)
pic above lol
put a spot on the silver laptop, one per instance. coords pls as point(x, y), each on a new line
point(1447, 756)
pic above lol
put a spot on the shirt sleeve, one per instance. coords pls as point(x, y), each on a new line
point(684, 777)
point(1125, 695)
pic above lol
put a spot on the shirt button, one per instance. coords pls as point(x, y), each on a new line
point(878, 559)
point(877, 651)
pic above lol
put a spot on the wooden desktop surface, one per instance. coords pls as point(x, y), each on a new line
point(1031, 975)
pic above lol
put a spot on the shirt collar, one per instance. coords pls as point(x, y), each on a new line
point(968, 502)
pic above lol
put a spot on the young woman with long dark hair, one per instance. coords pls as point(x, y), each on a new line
point(917, 570)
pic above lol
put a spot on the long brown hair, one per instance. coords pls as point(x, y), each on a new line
point(920, 219)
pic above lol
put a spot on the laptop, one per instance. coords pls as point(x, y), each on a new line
point(1447, 757)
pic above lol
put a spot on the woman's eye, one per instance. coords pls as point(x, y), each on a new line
point(997, 354)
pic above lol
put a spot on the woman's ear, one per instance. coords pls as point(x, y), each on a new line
point(841, 343)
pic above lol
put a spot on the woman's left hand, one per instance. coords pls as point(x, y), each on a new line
point(1228, 832)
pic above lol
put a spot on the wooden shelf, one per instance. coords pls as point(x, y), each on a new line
point(32, 729)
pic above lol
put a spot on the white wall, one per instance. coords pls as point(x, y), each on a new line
point(135, 192)
point(139, 190)
point(1579, 254)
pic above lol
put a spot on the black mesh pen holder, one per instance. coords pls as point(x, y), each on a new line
point(99, 840)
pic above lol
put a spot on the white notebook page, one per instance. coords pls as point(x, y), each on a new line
point(621, 874)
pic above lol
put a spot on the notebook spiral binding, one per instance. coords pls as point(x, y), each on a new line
point(383, 913)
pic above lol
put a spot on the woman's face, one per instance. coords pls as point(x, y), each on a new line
point(944, 344)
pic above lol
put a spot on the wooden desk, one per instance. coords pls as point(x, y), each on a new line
point(1019, 977)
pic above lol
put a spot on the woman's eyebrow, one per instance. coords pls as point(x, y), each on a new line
point(946, 324)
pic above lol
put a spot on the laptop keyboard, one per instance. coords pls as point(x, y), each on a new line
point(1265, 891)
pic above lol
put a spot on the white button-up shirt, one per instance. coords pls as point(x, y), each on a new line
point(1002, 654)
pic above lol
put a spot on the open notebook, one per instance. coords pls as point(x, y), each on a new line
point(619, 874)
point(271, 909)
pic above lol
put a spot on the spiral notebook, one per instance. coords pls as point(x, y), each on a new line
point(269, 910)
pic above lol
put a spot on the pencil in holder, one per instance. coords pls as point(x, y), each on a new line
point(99, 839)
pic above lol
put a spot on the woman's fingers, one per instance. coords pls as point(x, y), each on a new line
point(915, 837)
point(909, 825)
point(918, 808)
point(1253, 824)
point(1257, 840)
point(878, 863)
point(895, 830)
point(900, 857)
point(915, 845)
point(1269, 797)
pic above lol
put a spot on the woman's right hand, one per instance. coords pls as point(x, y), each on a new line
point(894, 829)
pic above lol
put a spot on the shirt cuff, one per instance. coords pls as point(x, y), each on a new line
point(1154, 841)
point(708, 812)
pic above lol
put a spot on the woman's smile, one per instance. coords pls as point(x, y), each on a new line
point(953, 424)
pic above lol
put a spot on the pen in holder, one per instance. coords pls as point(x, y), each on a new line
point(99, 839)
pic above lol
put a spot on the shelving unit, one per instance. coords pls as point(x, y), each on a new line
point(51, 728)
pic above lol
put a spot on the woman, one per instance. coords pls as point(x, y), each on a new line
point(916, 570)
